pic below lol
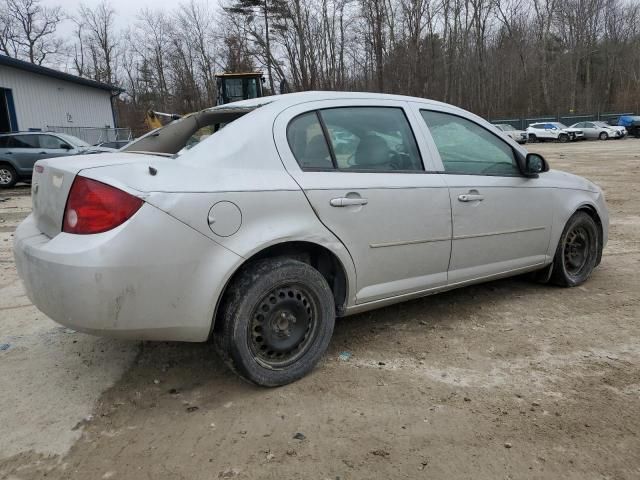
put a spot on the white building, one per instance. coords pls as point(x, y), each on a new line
point(38, 98)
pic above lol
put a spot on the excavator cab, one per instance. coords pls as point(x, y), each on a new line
point(233, 87)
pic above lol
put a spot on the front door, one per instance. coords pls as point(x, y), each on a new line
point(590, 130)
point(369, 186)
point(501, 220)
point(53, 146)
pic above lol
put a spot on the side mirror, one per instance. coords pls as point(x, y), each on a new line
point(535, 164)
point(66, 146)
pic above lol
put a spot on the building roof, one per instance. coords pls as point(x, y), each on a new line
point(49, 72)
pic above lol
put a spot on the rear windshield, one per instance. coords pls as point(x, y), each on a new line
point(183, 134)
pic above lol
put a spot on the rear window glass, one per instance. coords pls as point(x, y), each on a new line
point(25, 141)
point(307, 142)
point(372, 139)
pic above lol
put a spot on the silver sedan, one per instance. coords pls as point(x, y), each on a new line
point(600, 130)
point(259, 222)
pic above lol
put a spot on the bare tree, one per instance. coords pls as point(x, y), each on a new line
point(30, 30)
point(95, 31)
point(494, 57)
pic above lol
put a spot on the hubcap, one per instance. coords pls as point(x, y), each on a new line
point(5, 176)
point(576, 250)
point(283, 326)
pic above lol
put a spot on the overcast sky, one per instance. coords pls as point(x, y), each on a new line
point(126, 10)
point(126, 14)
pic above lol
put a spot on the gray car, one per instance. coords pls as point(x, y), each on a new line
point(20, 151)
point(264, 231)
point(600, 130)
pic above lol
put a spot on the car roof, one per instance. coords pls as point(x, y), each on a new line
point(289, 99)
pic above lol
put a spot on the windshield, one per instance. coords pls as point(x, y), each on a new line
point(602, 124)
point(560, 125)
point(74, 141)
point(506, 128)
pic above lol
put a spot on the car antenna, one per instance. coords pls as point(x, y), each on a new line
point(153, 170)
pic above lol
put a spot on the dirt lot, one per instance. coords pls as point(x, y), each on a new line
point(505, 380)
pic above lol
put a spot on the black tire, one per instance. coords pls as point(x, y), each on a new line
point(276, 321)
point(8, 176)
point(603, 136)
point(563, 138)
point(578, 251)
point(532, 138)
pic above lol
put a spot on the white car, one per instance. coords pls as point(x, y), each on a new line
point(263, 232)
point(540, 132)
point(519, 136)
point(600, 130)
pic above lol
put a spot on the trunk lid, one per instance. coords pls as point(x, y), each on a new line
point(52, 180)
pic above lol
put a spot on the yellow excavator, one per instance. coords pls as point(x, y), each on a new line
point(232, 87)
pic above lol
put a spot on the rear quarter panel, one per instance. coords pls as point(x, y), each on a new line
point(268, 218)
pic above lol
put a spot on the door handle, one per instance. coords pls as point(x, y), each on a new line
point(347, 202)
point(42, 153)
point(470, 197)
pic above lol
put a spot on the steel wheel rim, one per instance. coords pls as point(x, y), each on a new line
point(576, 250)
point(283, 326)
point(5, 176)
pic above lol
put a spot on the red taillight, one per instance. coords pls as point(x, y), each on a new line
point(94, 207)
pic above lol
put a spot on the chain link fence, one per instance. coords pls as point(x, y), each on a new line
point(523, 123)
point(94, 135)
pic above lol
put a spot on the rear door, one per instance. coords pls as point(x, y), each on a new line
point(25, 150)
point(368, 178)
point(540, 131)
point(501, 220)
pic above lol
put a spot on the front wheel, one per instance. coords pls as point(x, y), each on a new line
point(563, 138)
point(577, 252)
point(603, 136)
point(532, 138)
point(277, 321)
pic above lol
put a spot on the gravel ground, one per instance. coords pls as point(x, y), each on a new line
point(508, 379)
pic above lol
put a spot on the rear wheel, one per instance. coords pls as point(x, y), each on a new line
point(277, 321)
point(563, 138)
point(603, 136)
point(8, 176)
point(577, 252)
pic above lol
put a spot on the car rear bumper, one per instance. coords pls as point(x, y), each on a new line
point(151, 278)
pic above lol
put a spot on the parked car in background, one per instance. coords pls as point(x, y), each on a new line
point(546, 131)
point(631, 123)
point(20, 151)
point(264, 232)
point(600, 130)
point(519, 136)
